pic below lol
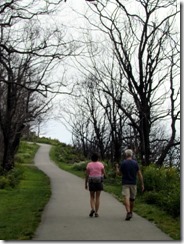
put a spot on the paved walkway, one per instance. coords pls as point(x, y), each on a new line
point(65, 217)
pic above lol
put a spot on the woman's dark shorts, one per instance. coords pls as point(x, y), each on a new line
point(95, 186)
point(95, 183)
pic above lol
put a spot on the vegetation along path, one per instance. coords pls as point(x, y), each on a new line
point(66, 215)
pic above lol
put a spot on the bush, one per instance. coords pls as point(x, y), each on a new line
point(44, 140)
point(170, 201)
point(151, 197)
point(162, 188)
point(67, 154)
point(157, 179)
point(22, 158)
point(154, 178)
point(26, 152)
point(11, 178)
point(3, 182)
point(81, 166)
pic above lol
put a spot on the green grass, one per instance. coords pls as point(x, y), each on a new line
point(166, 223)
point(65, 166)
point(160, 218)
point(26, 152)
point(21, 207)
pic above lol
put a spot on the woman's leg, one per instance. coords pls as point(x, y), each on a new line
point(92, 199)
point(97, 201)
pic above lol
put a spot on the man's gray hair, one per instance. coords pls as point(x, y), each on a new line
point(128, 153)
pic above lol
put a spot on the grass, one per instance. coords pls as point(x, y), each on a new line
point(160, 218)
point(21, 207)
point(26, 152)
point(65, 166)
point(166, 223)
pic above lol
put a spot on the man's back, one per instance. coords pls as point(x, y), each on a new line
point(129, 169)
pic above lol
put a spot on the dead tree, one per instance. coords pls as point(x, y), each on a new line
point(29, 52)
point(143, 37)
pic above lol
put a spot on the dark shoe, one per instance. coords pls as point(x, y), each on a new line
point(96, 215)
point(91, 213)
point(128, 216)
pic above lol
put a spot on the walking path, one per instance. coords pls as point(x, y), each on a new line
point(65, 217)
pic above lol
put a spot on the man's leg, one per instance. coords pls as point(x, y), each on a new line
point(133, 193)
point(126, 194)
point(131, 205)
point(127, 203)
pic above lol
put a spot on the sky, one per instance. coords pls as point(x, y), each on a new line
point(54, 128)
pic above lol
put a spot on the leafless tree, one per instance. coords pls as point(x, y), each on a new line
point(30, 49)
point(88, 121)
point(146, 46)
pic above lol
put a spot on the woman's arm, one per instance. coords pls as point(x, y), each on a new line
point(86, 179)
point(104, 173)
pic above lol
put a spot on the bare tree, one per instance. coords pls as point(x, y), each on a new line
point(89, 121)
point(20, 102)
point(146, 44)
point(29, 52)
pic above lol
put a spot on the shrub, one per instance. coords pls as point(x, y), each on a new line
point(157, 179)
point(45, 140)
point(3, 182)
point(26, 152)
point(80, 166)
point(11, 178)
point(151, 197)
point(170, 200)
point(67, 154)
point(162, 186)
point(22, 158)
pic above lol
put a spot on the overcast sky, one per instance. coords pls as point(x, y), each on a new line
point(54, 128)
point(67, 15)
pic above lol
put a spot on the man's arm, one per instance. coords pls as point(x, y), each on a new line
point(141, 179)
point(118, 172)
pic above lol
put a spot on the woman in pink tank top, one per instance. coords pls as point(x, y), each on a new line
point(94, 180)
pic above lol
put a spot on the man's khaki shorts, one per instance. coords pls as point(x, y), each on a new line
point(129, 191)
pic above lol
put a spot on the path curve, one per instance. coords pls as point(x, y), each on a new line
point(65, 217)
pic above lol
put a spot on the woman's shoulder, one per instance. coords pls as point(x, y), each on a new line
point(89, 163)
point(100, 163)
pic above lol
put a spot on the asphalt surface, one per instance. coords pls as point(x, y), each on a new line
point(66, 216)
